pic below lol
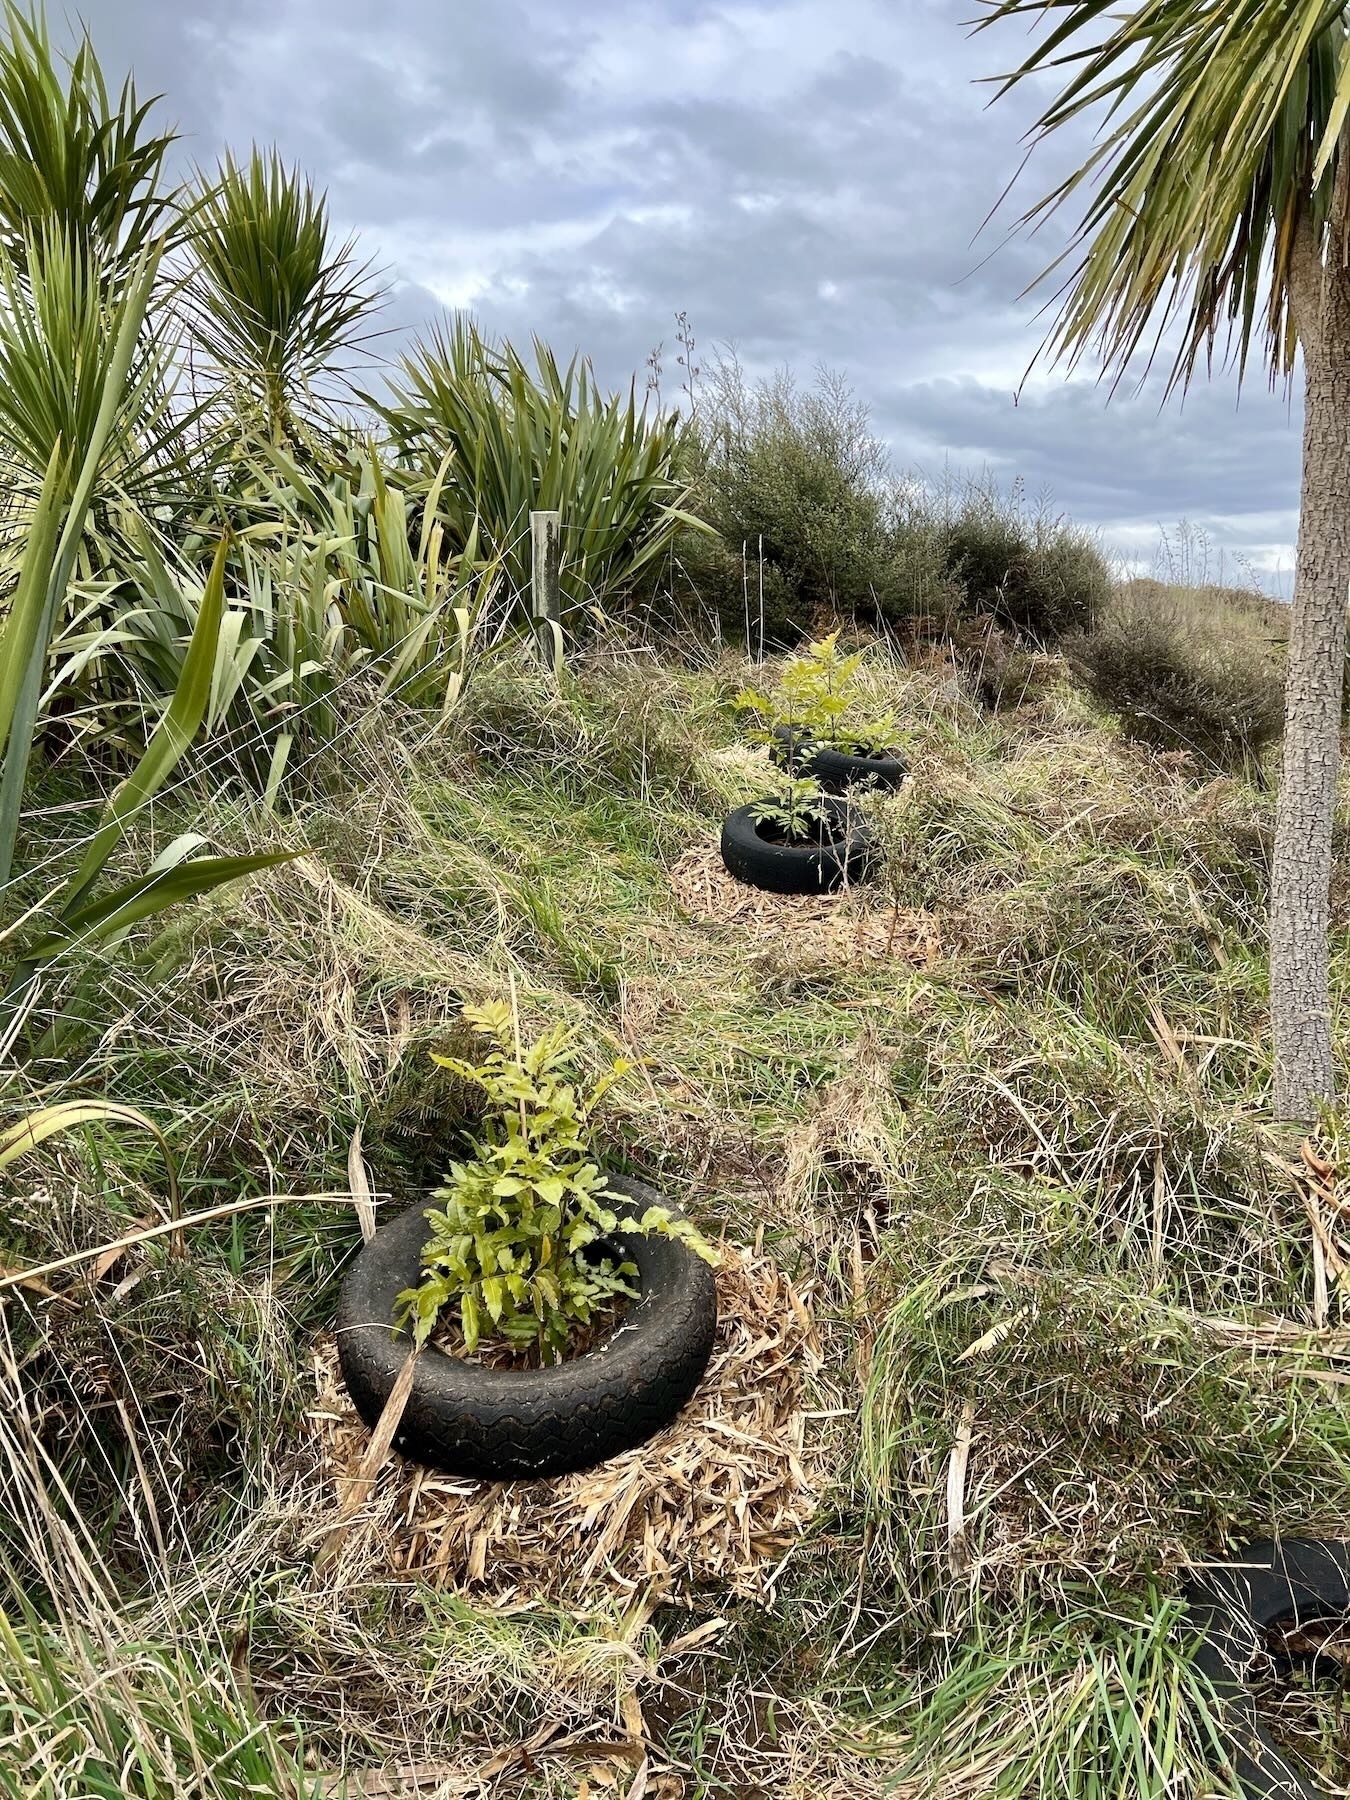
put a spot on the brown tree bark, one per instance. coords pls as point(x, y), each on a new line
point(1300, 919)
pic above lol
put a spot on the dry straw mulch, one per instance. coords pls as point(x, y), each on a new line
point(846, 926)
point(721, 1495)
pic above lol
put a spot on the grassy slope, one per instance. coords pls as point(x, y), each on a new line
point(1029, 1183)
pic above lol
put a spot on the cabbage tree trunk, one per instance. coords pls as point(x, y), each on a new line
point(1300, 895)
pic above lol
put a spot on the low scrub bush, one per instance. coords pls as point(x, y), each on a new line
point(796, 483)
point(708, 590)
point(806, 503)
point(1189, 670)
point(1029, 570)
point(800, 474)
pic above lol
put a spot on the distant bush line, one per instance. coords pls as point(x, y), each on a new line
point(811, 524)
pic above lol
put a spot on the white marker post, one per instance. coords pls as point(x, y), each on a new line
point(546, 586)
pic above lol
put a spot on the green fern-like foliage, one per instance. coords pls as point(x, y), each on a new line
point(797, 809)
point(817, 698)
point(522, 1243)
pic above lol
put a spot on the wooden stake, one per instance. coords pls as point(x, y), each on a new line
point(546, 586)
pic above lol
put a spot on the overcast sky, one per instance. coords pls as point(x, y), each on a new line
point(806, 178)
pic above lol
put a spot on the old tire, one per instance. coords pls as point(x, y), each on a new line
point(835, 770)
point(522, 1424)
point(796, 868)
point(839, 770)
point(1302, 1578)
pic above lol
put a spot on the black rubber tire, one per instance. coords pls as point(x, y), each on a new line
point(796, 868)
point(1301, 1578)
point(835, 770)
point(523, 1424)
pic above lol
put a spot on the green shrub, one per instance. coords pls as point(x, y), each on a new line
point(520, 1247)
point(920, 596)
point(794, 479)
point(803, 496)
point(818, 699)
point(1187, 671)
point(796, 809)
point(1026, 569)
point(708, 590)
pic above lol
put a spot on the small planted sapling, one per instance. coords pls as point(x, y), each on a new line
point(532, 1252)
point(523, 1243)
point(818, 701)
point(797, 812)
point(864, 735)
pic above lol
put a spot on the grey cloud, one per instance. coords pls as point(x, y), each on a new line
point(808, 180)
point(1131, 447)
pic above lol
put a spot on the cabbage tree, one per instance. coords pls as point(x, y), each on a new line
point(274, 297)
point(1214, 213)
point(74, 158)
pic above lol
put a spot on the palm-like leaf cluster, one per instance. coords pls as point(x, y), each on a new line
point(352, 568)
point(274, 298)
point(58, 322)
point(71, 156)
point(337, 597)
point(1222, 122)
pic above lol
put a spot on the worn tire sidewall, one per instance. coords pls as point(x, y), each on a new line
point(796, 868)
point(835, 770)
point(498, 1424)
point(1302, 1577)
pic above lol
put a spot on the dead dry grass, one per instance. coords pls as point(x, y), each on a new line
point(806, 1756)
point(840, 928)
point(722, 1495)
